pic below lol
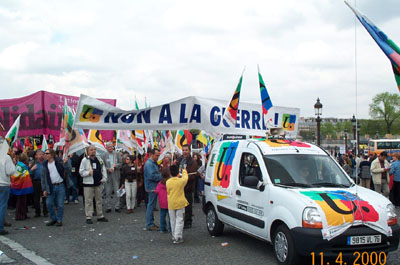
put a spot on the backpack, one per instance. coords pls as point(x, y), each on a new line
point(365, 172)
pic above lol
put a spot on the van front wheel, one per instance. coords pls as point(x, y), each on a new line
point(214, 226)
point(284, 247)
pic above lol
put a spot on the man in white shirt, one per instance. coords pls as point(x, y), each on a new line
point(7, 168)
point(54, 186)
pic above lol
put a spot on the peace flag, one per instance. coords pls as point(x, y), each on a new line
point(390, 48)
point(21, 182)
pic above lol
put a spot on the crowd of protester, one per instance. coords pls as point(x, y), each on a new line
point(380, 173)
point(113, 181)
point(120, 182)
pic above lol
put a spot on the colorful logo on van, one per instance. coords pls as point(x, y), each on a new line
point(90, 113)
point(342, 207)
point(282, 143)
point(223, 166)
point(288, 122)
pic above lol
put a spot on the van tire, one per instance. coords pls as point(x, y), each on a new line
point(284, 250)
point(214, 226)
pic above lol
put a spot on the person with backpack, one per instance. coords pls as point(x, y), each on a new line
point(365, 172)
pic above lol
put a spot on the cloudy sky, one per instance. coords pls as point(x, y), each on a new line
point(166, 50)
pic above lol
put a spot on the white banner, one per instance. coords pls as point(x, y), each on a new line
point(187, 113)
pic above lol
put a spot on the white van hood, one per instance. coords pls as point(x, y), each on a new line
point(342, 208)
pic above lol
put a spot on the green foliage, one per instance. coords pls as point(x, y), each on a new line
point(385, 107)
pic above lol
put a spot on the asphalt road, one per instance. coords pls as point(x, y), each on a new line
point(123, 241)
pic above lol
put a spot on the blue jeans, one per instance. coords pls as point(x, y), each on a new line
point(57, 198)
point(151, 205)
point(4, 194)
point(163, 223)
point(74, 187)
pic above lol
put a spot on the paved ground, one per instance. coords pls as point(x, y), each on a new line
point(123, 241)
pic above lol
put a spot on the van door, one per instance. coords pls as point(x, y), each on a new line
point(247, 207)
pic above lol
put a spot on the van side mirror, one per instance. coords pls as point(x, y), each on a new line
point(250, 181)
point(260, 186)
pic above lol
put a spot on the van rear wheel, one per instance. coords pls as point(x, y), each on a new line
point(285, 252)
point(214, 226)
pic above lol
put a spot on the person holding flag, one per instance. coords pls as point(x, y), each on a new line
point(113, 163)
point(94, 174)
point(21, 186)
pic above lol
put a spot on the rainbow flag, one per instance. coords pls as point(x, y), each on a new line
point(21, 182)
point(231, 112)
point(390, 48)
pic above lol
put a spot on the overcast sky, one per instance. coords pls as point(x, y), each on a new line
point(167, 50)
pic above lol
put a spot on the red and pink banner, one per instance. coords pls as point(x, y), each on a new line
point(41, 113)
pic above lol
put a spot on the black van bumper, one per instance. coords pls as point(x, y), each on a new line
point(308, 240)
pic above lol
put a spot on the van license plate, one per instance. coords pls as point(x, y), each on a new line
point(363, 240)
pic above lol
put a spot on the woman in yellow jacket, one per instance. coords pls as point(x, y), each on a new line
point(177, 202)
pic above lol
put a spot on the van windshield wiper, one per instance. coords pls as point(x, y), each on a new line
point(329, 184)
point(295, 184)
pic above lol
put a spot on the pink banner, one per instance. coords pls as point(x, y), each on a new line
point(41, 113)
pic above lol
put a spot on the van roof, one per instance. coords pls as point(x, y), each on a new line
point(284, 146)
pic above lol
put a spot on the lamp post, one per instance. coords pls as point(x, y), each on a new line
point(354, 123)
point(358, 140)
point(345, 140)
point(318, 113)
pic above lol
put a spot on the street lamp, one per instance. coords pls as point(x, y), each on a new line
point(354, 123)
point(345, 140)
point(318, 113)
point(358, 140)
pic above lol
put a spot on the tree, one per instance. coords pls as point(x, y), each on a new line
point(327, 129)
point(385, 106)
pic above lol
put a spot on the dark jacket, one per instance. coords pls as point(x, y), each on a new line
point(128, 173)
point(46, 181)
point(191, 167)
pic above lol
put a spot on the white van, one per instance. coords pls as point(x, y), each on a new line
point(295, 196)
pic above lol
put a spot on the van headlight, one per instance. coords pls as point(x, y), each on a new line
point(311, 218)
point(392, 217)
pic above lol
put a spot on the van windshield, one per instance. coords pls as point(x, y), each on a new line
point(305, 171)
